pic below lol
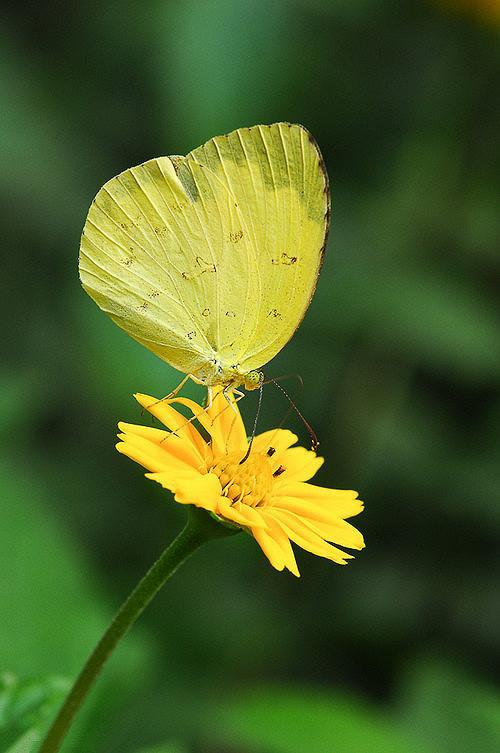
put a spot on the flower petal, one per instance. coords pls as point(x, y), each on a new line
point(276, 546)
point(270, 547)
point(162, 445)
point(325, 522)
point(224, 412)
point(147, 454)
point(173, 420)
point(213, 427)
point(299, 464)
point(243, 515)
point(318, 499)
point(191, 488)
point(254, 517)
point(279, 439)
point(300, 533)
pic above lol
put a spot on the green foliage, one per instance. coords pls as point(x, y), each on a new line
point(25, 744)
point(442, 710)
point(25, 708)
point(165, 748)
point(288, 720)
point(55, 616)
point(450, 711)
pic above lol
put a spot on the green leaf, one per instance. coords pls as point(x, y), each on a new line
point(26, 706)
point(26, 744)
point(284, 720)
point(171, 747)
point(52, 612)
point(450, 711)
point(433, 319)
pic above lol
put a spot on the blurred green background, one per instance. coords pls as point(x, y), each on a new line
point(400, 356)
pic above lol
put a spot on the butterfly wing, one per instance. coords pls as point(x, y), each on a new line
point(214, 255)
point(147, 259)
point(277, 177)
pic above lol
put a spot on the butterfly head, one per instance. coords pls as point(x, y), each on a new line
point(253, 380)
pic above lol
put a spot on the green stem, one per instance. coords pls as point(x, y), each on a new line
point(199, 528)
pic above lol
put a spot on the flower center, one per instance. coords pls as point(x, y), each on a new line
point(247, 482)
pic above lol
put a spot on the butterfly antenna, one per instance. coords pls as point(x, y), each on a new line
point(254, 429)
point(312, 433)
point(285, 376)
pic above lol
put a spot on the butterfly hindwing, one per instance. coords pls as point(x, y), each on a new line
point(277, 177)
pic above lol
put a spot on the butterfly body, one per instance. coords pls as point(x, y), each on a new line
point(211, 260)
point(217, 373)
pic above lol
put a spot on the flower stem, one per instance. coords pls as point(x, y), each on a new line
point(200, 527)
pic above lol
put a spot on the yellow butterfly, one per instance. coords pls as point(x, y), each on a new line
point(211, 260)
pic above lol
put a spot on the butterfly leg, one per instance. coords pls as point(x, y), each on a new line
point(237, 394)
point(209, 398)
point(176, 391)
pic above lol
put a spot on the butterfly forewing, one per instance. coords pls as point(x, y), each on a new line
point(214, 255)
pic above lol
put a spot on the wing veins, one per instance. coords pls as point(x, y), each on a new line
point(190, 315)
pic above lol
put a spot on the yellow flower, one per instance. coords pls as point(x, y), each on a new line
point(266, 495)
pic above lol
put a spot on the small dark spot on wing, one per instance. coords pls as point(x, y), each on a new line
point(191, 335)
point(285, 259)
point(236, 236)
point(205, 265)
point(205, 312)
point(275, 313)
point(230, 314)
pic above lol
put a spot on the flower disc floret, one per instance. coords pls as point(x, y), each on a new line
point(248, 482)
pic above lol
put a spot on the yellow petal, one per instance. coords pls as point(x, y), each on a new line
point(225, 413)
point(344, 502)
point(172, 419)
point(282, 540)
point(299, 464)
point(171, 478)
point(191, 489)
point(325, 523)
point(298, 532)
point(326, 511)
point(145, 453)
point(270, 547)
point(162, 445)
point(240, 514)
point(253, 517)
point(148, 432)
point(219, 440)
point(278, 439)
point(342, 533)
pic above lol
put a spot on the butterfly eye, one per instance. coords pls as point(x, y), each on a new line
point(253, 380)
